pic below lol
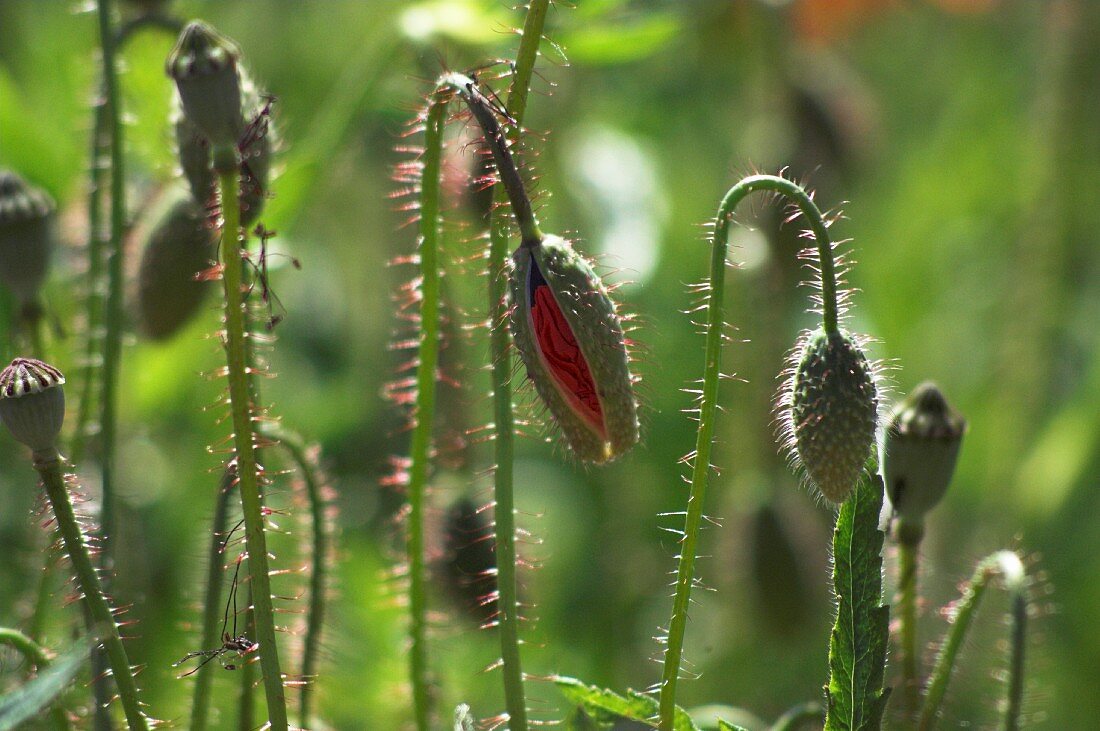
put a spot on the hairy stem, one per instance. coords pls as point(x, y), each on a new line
point(200, 699)
point(1015, 693)
point(424, 409)
point(318, 570)
point(709, 403)
point(49, 468)
point(237, 360)
point(503, 419)
point(1011, 569)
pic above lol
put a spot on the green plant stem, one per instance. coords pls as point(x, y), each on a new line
point(1015, 697)
point(1008, 565)
point(200, 699)
point(424, 409)
point(909, 538)
point(709, 403)
point(503, 419)
point(236, 350)
point(49, 468)
point(318, 573)
point(112, 347)
point(33, 653)
point(246, 702)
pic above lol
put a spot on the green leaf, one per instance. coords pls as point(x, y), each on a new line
point(28, 700)
point(857, 645)
point(627, 41)
point(723, 726)
point(606, 706)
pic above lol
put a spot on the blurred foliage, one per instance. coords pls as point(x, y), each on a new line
point(959, 138)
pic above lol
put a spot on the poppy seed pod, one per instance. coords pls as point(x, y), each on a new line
point(920, 448)
point(180, 246)
point(831, 411)
point(26, 236)
point(32, 403)
point(203, 64)
point(570, 338)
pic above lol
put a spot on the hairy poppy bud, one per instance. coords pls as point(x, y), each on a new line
point(830, 410)
point(920, 449)
point(571, 341)
point(26, 236)
point(180, 246)
point(204, 66)
point(32, 402)
point(255, 152)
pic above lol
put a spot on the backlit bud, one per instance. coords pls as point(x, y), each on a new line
point(32, 403)
point(26, 236)
point(920, 449)
point(204, 66)
point(830, 410)
point(570, 338)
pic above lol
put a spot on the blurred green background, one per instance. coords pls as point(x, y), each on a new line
point(958, 136)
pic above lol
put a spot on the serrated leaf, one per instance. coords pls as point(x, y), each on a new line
point(857, 644)
point(28, 700)
point(606, 706)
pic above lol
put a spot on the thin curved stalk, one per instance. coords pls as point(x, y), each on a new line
point(318, 572)
point(1011, 569)
point(49, 468)
point(200, 698)
point(709, 403)
point(503, 419)
point(237, 360)
point(33, 653)
point(908, 562)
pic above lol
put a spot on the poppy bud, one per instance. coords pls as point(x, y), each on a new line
point(920, 449)
point(204, 66)
point(571, 340)
point(831, 410)
point(180, 246)
point(26, 236)
point(32, 403)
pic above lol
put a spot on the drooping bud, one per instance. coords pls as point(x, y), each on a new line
point(32, 403)
point(920, 449)
point(26, 236)
point(255, 150)
point(570, 338)
point(180, 246)
point(829, 410)
point(204, 66)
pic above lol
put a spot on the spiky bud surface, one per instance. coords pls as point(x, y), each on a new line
point(26, 235)
point(179, 247)
point(831, 411)
point(919, 451)
point(203, 64)
point(570, 339)
point(32, 403)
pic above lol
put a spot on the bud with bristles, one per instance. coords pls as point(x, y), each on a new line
point(32, 403)
point(26, 236)
point(571, 340)
point(830, 410)
point(920, 449)
point(204, 66)
point(180, 246)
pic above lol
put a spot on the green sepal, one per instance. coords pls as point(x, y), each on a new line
point(591, 314)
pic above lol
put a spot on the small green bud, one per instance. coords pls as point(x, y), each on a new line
point(204, 66)
point(32, 403)
point(26, 236)
point(920, 449)
point(181, 245)
point(570, 338)
point(830, 411)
